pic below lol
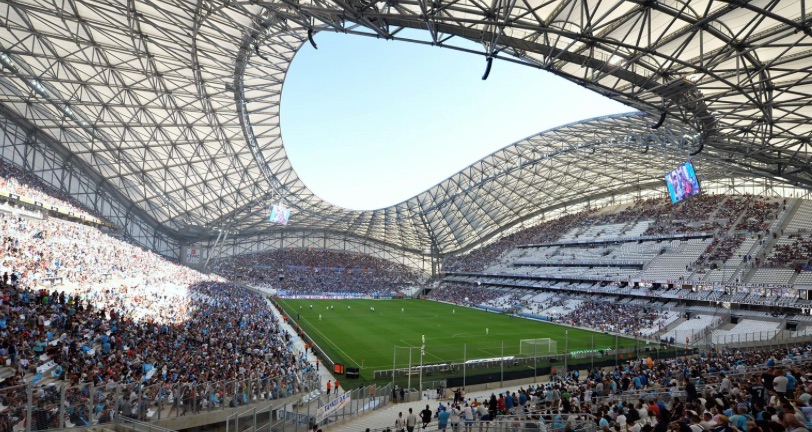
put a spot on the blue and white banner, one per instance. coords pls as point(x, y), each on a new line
point(333, 406)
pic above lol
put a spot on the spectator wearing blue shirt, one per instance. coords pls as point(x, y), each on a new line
point(739, 420)
point(442, 419)
point(603, 424)
point(791, 382)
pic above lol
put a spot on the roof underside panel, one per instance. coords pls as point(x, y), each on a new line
point(176, 103)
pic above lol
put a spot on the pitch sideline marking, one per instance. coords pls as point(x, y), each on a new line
point(330, 341)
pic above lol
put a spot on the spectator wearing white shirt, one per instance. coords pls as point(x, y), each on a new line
point(780, 383)
point(696, 424)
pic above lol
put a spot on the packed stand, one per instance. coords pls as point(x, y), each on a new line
point(759, 213)
point(641, 209)
point(717, 391)
point(615, 318)
point(205, 333)
point(316, 272)
point(19, 182)
point(142, 330)
point(693, 215)
point(464, 294)
point(35, 250)
point(508, 301)
point(730, 219)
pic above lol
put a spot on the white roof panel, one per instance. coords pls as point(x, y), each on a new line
point(167, 98)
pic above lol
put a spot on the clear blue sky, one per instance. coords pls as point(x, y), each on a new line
point(368, 123)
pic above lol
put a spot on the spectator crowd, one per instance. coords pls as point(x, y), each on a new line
point(796, 254)
point(302, 271)
point(126, 332)
point(615, 318)
point(702, 213)
point(716, 391)
point(40, 249)
point(465, 295)
point(730, 219)
point(17, 181)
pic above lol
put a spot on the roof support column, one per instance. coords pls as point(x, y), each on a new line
point(213, 249)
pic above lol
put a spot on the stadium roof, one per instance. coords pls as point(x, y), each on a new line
point(175, 104)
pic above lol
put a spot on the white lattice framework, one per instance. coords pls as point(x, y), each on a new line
point(173, 106)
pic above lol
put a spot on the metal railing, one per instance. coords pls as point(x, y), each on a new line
point(529, 422)
point(632, 397)
point(137, 426)
point(255, 420)
point(534, 422)
point(767, 339)
point(52, 281)
point(307, 411)
point(56, 405)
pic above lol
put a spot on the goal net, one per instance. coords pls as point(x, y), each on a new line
point(538, 347)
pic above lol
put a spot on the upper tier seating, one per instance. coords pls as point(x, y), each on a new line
point(308, 271)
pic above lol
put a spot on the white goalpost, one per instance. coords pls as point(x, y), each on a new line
point(538, 347)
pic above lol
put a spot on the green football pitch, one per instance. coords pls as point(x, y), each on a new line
point(350, 333)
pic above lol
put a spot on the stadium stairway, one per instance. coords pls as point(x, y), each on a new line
point(792, 208)
point(629, 225)
point(739, 218)
point(792, 279)
point(765, 250)
point(719, 206)
point(731, 232)
point(754, 251)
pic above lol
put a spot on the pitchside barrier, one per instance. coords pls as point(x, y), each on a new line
point(480, 371)
point(457, 368)
point(558, 360)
